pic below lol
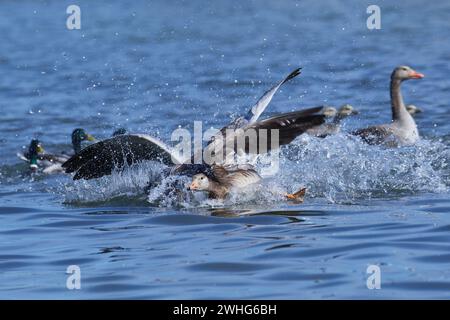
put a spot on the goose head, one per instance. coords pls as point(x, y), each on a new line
point(199, 182)
point(412, 109)
point(329, 112)
point(405, 73)
point(347, 110)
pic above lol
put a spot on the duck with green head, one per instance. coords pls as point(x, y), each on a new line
point(34, 150)
point(79, 135)
point(51, 163)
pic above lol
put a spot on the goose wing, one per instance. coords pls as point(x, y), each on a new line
point(289, 126)
point(236, 176)
point(103, 157)
point(374, 135)
point(257, 109)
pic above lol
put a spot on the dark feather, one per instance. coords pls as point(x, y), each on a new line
point(101, 158)
point(374, 135)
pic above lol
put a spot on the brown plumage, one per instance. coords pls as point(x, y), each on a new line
point(218, 181)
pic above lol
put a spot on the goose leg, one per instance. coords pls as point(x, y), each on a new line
point(297, 197)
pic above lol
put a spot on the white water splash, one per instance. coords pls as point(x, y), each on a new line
point(338, 168)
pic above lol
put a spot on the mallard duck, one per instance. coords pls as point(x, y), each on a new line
point(402, 130)
point(103, 157)
point(334, 126)
point(78, 136)
point(37, 158)
point(219, 181)
point(52, 163)
point(33, 155)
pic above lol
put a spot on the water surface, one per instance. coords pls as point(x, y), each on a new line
point(151, 66)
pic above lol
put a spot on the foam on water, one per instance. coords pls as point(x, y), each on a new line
point(343, 168)
point(339, 168)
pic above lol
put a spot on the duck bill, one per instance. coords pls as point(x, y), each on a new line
point(40, 149)
point(90, 137)
point(417, 75)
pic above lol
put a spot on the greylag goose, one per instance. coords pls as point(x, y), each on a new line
point(219, 181)
point(334, 126)
point(103, 157)
point(402, 130)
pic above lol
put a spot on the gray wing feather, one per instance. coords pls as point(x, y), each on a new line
point(257, 109)
point(289, 126)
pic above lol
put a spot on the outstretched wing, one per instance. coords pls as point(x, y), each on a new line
point(103, 157)
point(256, 110)
point(257, 138)
point(290, 125)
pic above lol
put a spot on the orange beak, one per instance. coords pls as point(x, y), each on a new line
point(193, 186)
point(417, 75)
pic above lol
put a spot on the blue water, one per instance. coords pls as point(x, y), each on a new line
point(152, 66)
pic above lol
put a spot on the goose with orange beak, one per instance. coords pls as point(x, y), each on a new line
point(220, 180)
point(403, 129)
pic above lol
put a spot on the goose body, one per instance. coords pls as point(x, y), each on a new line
point(219, 181)
point(403, 129)
point(334, 126)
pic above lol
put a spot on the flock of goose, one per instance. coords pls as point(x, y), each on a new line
point(122, 149)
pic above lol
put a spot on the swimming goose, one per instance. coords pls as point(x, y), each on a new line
point(334, 126)
point(103, 157)
point(219, 181)
point(402, 130)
